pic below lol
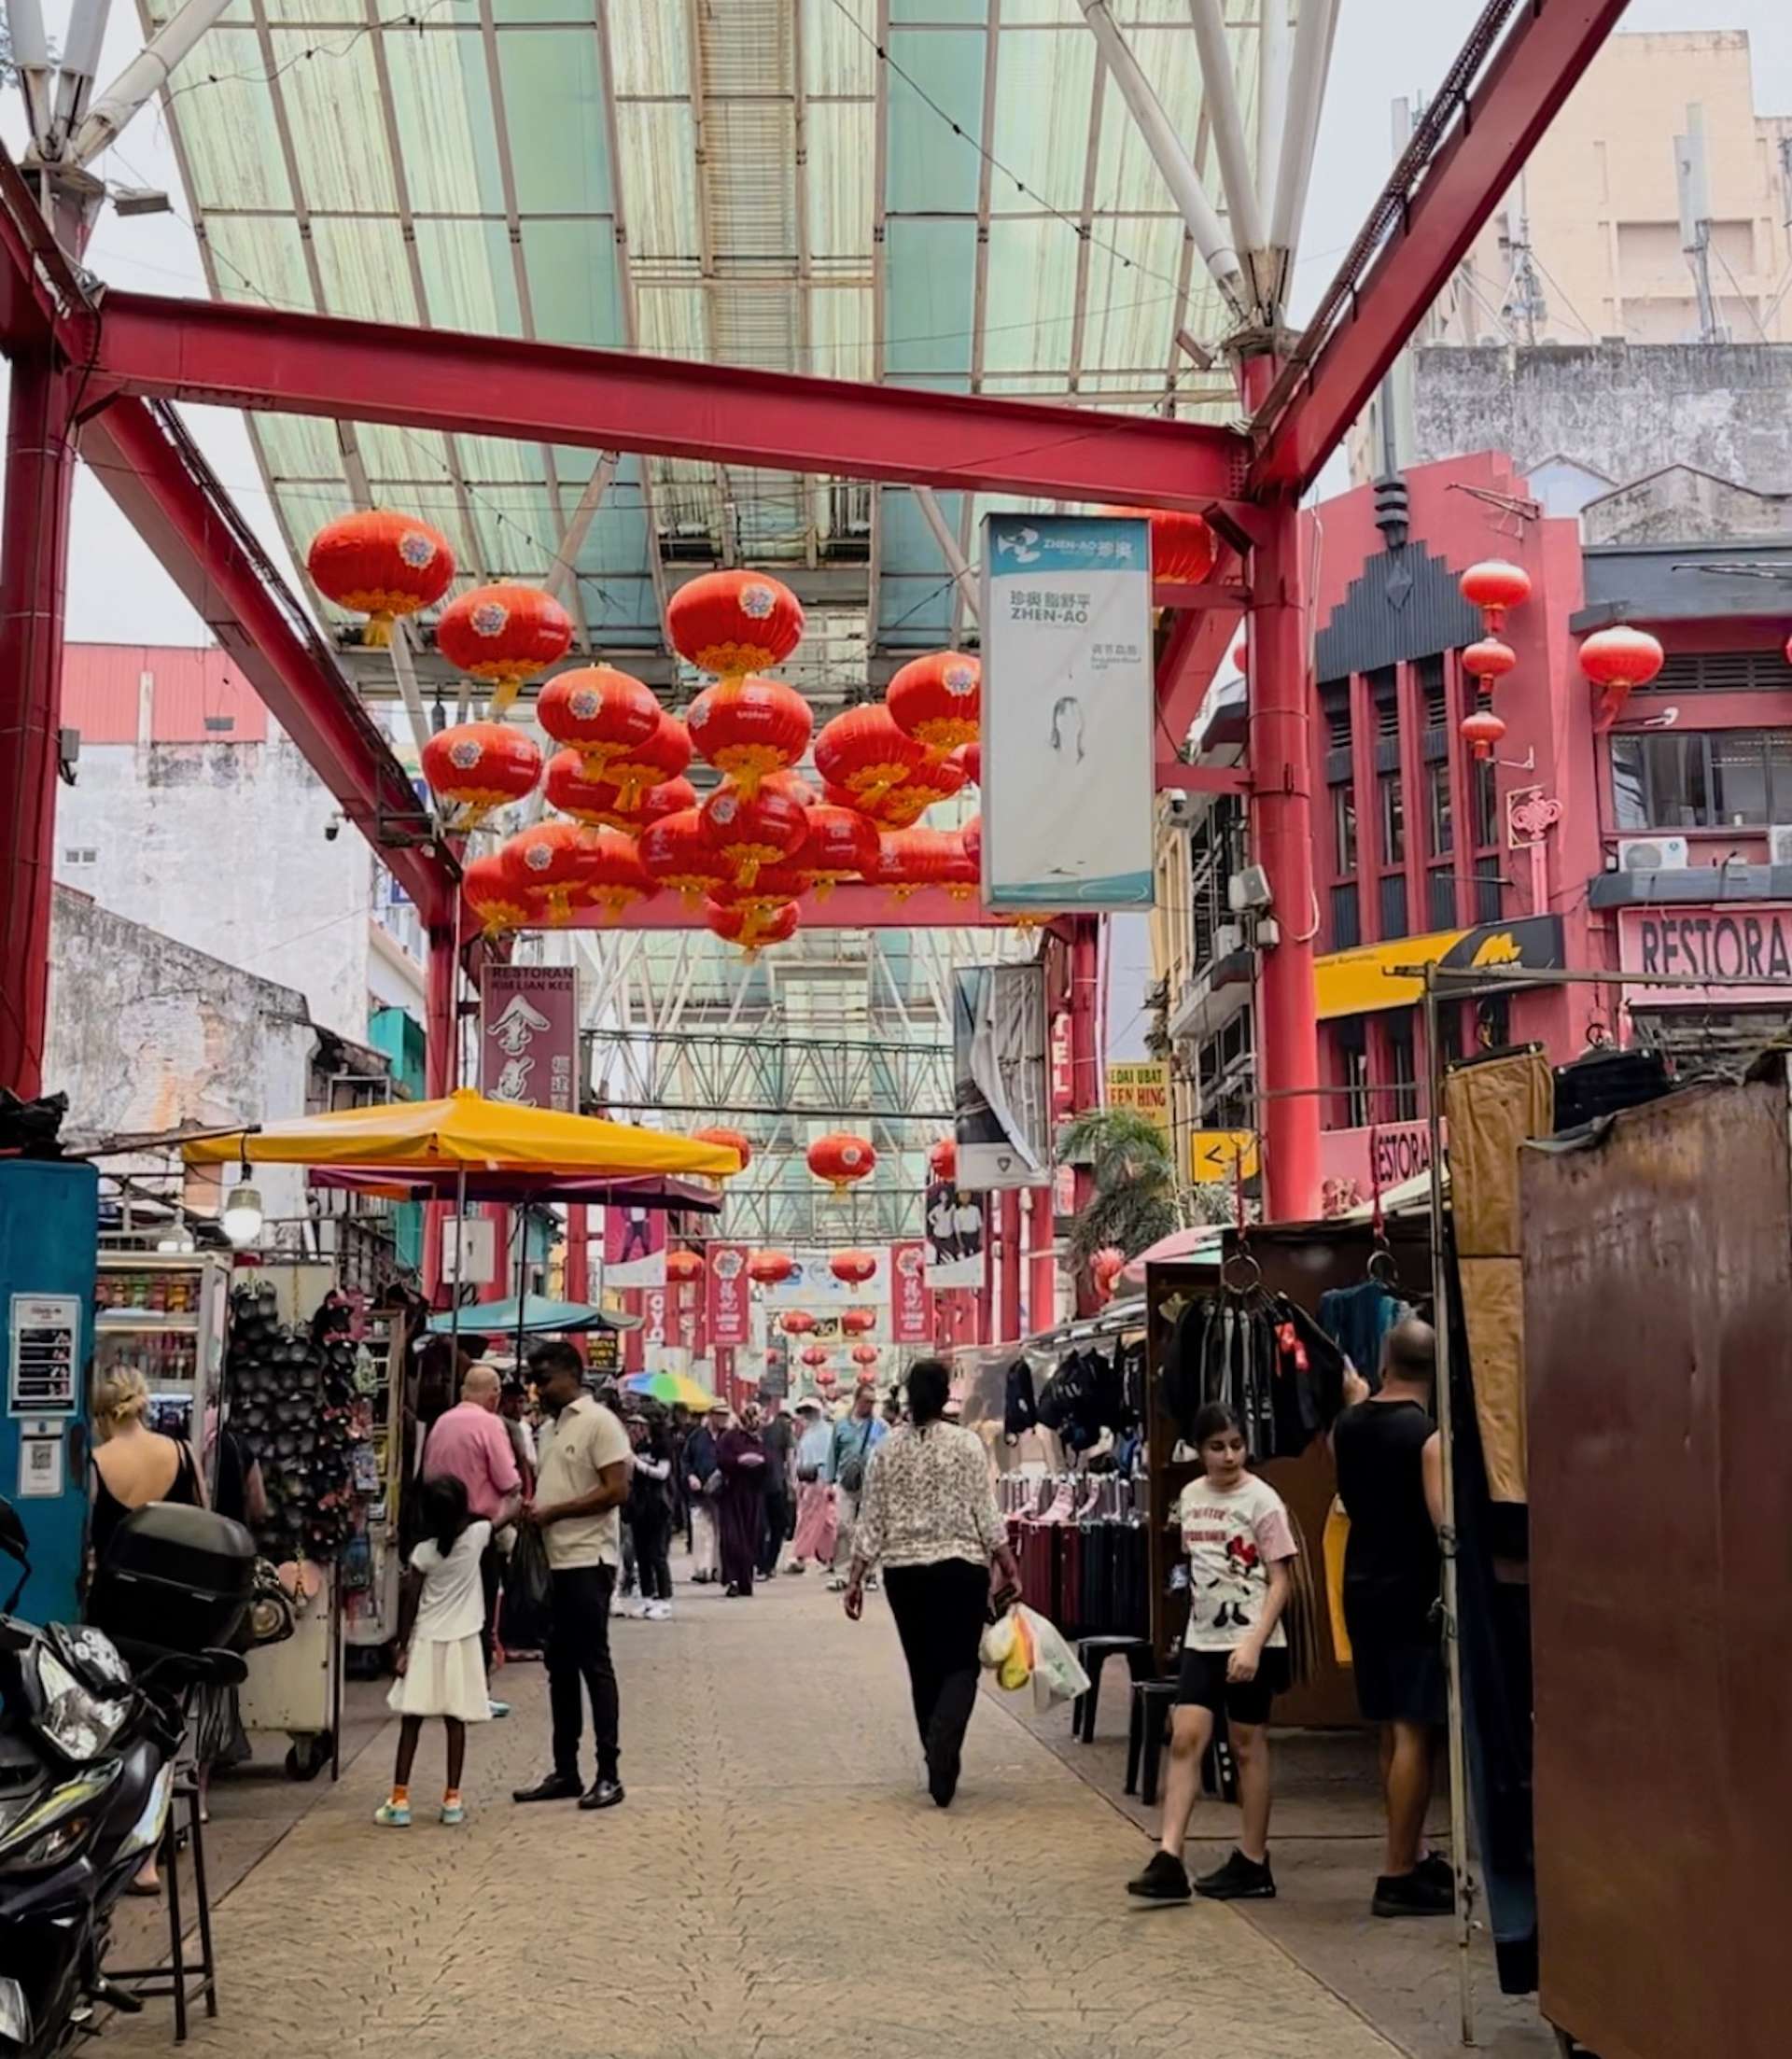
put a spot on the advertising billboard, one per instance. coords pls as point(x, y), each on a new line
point(528, 1036)
point(1069, 704)
point(1003, 1125)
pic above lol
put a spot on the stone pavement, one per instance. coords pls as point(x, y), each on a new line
point(777, 1884)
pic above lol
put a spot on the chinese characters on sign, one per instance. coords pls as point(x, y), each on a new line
point(528, 1037)
point(729, 1303)
point(911, 1313)
point(1068, 709)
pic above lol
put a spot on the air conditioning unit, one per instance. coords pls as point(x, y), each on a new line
point(1652, 854)
point(1779, 844)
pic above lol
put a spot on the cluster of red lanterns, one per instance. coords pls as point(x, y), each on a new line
point(626, 821)
point(1494, 587)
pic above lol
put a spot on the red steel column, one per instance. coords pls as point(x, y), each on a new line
point(1086, 1027)
point(1281, 842)
point(578, 1252)
point(1042, 1270)
point(441, 1068)
point(1008, 1312)
point(34, 564)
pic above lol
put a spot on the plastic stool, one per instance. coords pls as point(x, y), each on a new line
point(1152, 1701)
point(1092, 1654)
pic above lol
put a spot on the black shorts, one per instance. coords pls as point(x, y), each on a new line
point(1398, 1679)
point(1203, 1685)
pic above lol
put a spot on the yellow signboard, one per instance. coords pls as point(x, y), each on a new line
point(1225, 1154)
point(1144, 1088)
point(1356, 983)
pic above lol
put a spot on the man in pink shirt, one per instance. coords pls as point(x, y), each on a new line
point(472, 1445)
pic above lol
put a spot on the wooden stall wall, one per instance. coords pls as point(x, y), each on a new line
point(1657, 1279)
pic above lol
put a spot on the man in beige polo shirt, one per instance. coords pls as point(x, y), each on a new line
point(580, 1488)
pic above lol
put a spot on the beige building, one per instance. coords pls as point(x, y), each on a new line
point(1588, 243)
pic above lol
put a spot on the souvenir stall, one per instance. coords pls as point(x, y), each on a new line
point(1264, 1327)
point(1062, 1414)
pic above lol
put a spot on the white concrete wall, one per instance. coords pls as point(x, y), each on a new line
point(222, 846)
point(147, 1034)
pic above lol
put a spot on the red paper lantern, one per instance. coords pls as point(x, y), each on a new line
point(1182, 544)
point(731, 623)
point(679, 854)
point(749, 727)
point(755, 926)
point(946, 861)
point(903, 866)
point(769, 1267)
point(842, 844)
point(1617, 661)
point(617, 877)
point(854, 1267)
point(903, 806)
point(970, 836)
point(773, 887)
point(1240, 654)
point(797, 1323)
point(943, 1158)
point(753, 830)
point(938, 700)
point(1489, 660)
point(858, 1322)
point(1482, 731)
point(504, 635)
point(866, 756)
point(842, 1159)
point(381, 564)
point(493, 897)
point(479, 766)
point(815, 1356)
point(969, 760)
point(683, 1266)
point(597, 712)
point(864, 1354)
point(1788, 650)
point(553, 865)
point(658, 758)
point(1493, 586)
point(794, 787)
point(736, 1141)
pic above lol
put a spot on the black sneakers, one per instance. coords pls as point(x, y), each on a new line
point(1239, 1880)
point(1426, 1891)
point(1166, 1879)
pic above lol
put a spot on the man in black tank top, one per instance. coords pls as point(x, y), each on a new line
point(1389, 1478)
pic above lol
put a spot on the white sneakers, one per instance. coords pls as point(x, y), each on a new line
point(658, 1612)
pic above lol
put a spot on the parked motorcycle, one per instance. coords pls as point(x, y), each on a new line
point(90, 1724)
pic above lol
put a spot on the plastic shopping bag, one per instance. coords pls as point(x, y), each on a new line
point(997, 1642)
point(527, 1603)
point(1007, 1649)
point(1058, 1674)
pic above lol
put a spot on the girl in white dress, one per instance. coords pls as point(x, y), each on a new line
point(440, 1671)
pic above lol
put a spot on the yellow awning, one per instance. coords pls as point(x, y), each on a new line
point(1373, 977)
point(467, 1130)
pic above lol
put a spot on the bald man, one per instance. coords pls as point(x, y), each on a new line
point(472, 1445)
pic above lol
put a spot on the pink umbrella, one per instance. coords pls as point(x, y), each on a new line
point(1203, 1242)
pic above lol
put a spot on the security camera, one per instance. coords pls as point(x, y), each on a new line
point(1176, 806)
point(333, 827)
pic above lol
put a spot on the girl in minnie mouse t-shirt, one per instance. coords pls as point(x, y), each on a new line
point(1235, 1656)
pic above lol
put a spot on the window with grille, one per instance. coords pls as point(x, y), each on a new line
point(1385, 690)
point(1721, 672)
point(1352, 1042)
point(1402, 1104)
point(79, 854)
point(1335, 705)
point(1720, 778)
point(1433, 691)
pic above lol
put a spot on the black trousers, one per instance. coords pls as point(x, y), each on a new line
point(491, 1572)
point(579, 1663)
point(773, 1532)
point(653, 1556)
point(940, 1612)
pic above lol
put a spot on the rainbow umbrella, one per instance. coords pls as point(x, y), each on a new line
point(669, 1388)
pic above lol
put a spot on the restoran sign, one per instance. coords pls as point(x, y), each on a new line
point(1751, 944)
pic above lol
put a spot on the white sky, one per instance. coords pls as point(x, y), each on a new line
point(116, 592)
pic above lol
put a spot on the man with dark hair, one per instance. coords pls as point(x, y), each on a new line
point(1389, 1478)
point(579, 1492)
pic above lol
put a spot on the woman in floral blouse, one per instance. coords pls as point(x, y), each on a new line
point(929, 1517)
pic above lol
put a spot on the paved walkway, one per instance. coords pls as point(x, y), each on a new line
point(777, 1886)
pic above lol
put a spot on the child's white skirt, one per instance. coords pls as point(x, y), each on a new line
point(446, 1676)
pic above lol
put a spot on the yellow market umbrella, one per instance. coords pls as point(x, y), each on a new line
point(467, 1130)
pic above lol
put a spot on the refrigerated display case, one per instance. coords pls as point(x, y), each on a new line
point(166, 1313)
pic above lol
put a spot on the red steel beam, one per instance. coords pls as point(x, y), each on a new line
point(844, 908)
point(1506, 104)
point(273, 360)
point(161, 483)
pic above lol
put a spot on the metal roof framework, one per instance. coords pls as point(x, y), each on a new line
point(383, 233)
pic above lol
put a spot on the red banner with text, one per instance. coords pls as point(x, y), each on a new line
point(730, 1296)
point(911, 1305)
